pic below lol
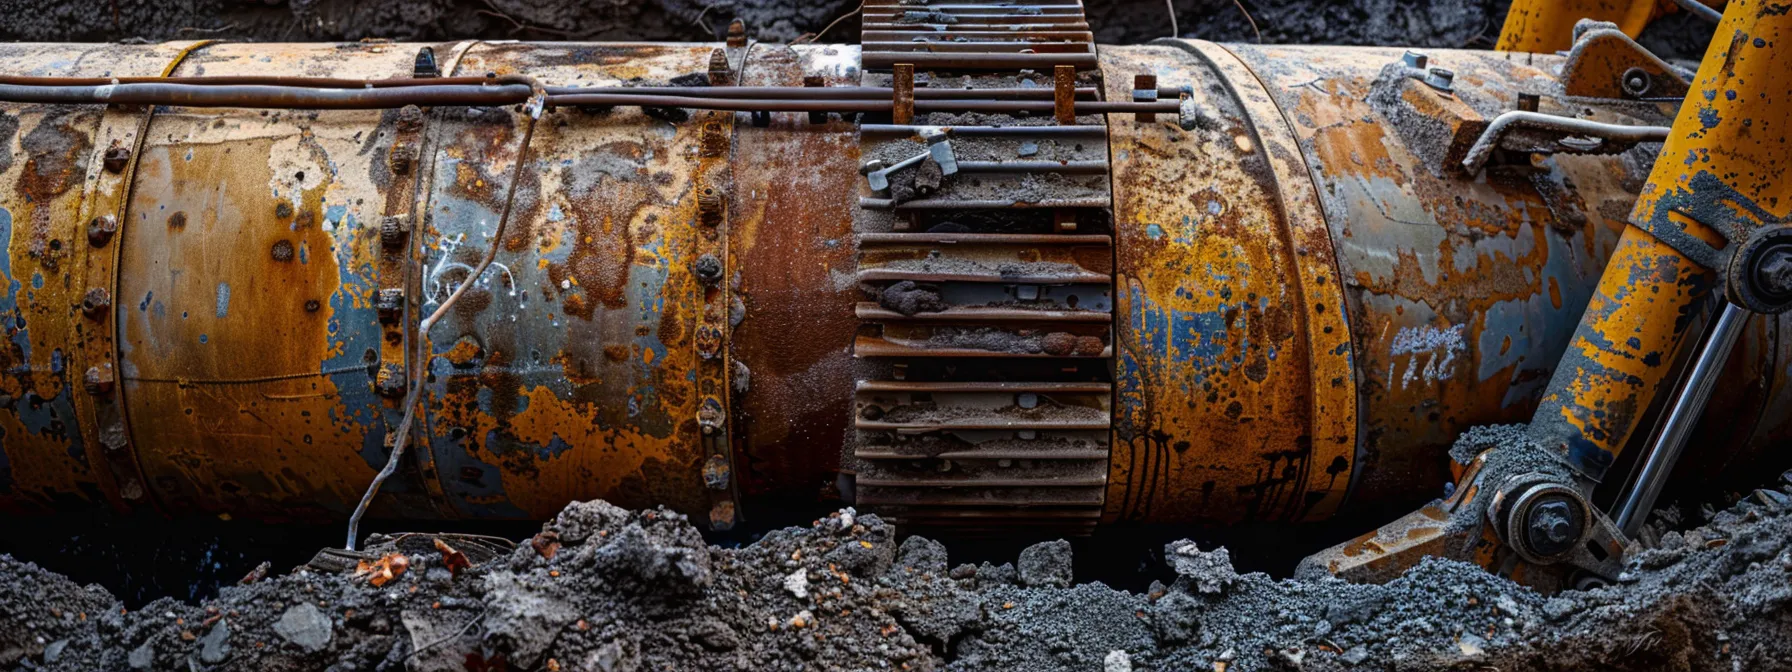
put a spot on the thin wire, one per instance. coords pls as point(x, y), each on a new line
point(416, 388)
point(1247, 17)
point(830, 26)
point(1174, 32)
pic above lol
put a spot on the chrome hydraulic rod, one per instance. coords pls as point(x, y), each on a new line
point(1683, 414)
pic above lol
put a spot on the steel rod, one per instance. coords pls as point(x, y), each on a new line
point(1683, 414)
point(1479, 153)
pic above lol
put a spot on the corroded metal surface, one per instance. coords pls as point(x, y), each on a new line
point(246, 297)
point(1228, 317)
point(792, 253)
point(571, 369)
point(1462, 290)
point(63, 167)
point(1298, 293)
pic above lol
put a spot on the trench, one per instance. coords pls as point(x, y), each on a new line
point(142, 559)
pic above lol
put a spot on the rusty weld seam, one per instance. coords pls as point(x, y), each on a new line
point(533, 108)
point(190, 382)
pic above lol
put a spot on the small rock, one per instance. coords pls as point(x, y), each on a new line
point(1046, 565)
point(305, 626)
point(1029, 148)
point(1471, 646)
point(53, 652)
point(1117, 661)
point(1557, 609)
point(215, 645)
point(798, 583)
point(143, 656)
point(1356, 655)
point(1207, 572)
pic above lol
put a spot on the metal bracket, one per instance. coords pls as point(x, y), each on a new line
point(1606, 63)
point(1707, 202)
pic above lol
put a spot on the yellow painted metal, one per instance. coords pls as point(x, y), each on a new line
point(1724, 164)
point(1547, 26)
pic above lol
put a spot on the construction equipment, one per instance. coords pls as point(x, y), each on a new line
point(974, 273)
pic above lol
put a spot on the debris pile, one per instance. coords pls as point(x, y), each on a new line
point(602, 588)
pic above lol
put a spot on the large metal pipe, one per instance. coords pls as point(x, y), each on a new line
point(1305, 302)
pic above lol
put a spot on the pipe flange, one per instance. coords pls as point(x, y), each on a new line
point(1543, 520)
point(1759, 276)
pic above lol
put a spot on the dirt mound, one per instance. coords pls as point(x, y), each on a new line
point(602, 588)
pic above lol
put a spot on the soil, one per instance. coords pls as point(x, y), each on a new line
point(602, 588)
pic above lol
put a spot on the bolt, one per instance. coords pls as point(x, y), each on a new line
point(709, 206)
point(1440, 79)
point(1636, 82)
point(390, 382)
point(95, 304)
point(410, 119)
point(1551, 519)
point(721, 73)
point(116, 159)
point(390, 304)
point(737, 34)
point(98, 381)
point(394, 231)
point(1415, 59)
point(1552, 526)
point(101, 229)
point(709, 269)
point(1773, 272)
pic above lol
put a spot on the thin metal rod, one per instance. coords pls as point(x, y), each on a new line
point(265, 96)
point(1482, 150)
point(1683, 415)
point(1698, 9)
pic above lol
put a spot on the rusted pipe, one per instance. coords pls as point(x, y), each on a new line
point(266, 96)
point(799, 105)
point(1482, 150)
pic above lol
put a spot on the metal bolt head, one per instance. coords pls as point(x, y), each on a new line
point(1440, 79)
point(1773, 273)
point(98, 380)
point(390, 381)
point(394, 232)
point(1415, 59)
point(101, 230)
point(96, 303)
point(117, 158)
point(737, 34)
point(1636, 82)
point(390, 304)
point(709, 269)
point(1552, 526)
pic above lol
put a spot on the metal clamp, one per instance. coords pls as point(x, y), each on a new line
point(939, 148)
